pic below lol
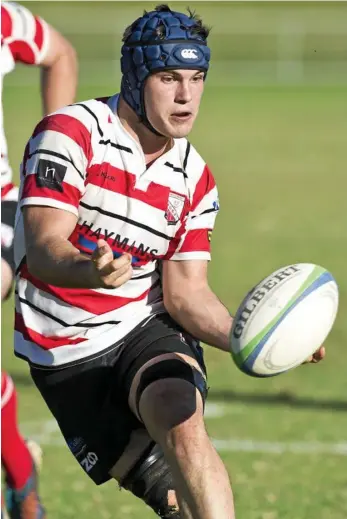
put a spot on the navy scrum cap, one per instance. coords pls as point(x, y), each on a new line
point(160, 40)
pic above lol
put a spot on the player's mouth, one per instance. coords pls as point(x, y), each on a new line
point(182, 116)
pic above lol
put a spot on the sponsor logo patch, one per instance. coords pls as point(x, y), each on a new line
point(50, 174)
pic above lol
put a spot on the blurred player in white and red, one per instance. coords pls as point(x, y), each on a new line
point(27, 39)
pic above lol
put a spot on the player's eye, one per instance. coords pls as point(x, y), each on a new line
point(197, 79)
point(167, 79)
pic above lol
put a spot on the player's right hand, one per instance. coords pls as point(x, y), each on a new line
point(110, 272)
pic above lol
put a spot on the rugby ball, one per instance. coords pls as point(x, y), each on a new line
point(284, 319)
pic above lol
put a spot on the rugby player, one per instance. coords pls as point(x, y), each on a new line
point(117, 210)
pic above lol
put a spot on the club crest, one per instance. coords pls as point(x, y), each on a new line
point(174, 209)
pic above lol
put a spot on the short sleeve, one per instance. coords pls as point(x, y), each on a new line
point(55, 162)
point(26, 35)
point(194, 236)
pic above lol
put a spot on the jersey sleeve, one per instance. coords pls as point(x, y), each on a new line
point(192, 240)
point(26, 35)
point(55, 161)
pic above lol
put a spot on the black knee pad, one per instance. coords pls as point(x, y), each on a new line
point(171, 368)
point(151, 480)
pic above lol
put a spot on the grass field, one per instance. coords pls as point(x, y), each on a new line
point(278, 152)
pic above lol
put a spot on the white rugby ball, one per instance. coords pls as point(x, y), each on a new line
point(284, 319)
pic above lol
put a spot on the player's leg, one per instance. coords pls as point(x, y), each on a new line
point(6, 279)
point(172, 411)
point(151, 360)
point(8, 212)
point(90, 404)
point(22, 500)
point(93, 414)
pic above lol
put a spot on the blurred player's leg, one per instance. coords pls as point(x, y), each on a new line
point(22, 498)
point(6, 278)
point(8, 214)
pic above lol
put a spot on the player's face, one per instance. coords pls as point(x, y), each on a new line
point(172, 100)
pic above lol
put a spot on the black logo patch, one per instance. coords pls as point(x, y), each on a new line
point(50, 174)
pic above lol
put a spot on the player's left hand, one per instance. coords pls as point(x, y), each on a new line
point(317, 356)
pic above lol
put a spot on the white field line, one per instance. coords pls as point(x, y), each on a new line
point(266, 447)
point(47, 433)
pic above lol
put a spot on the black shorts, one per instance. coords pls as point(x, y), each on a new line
point(8, 213)
point(90, 400)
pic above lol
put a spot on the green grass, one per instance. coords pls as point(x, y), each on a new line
point(279, 158)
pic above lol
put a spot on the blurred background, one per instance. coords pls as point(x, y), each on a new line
point(273, 128)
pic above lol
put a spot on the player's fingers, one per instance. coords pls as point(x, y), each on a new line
point(319, 354)
point(102, 254)
point(102, 246)
point(115, 265)
point(107, 274)
point(118, 278)
point(124, 259)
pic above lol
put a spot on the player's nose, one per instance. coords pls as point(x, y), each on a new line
point(184, 93)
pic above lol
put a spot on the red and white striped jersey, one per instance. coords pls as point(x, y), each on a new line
point(81, 159)
point(24, 38)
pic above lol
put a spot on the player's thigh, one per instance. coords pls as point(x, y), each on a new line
point(96, 423)
point(161, 350)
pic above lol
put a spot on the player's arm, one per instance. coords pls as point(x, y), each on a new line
point(34, 42)
point(58, 72)
point(52, 258)
point(187, 295)
point(53, 182)
point(191, 302)
point(49, 255)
